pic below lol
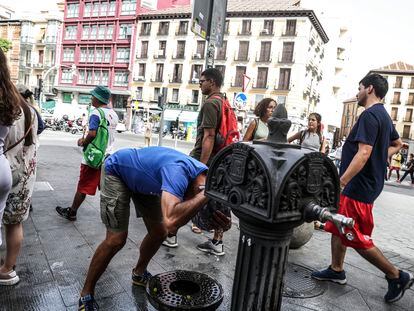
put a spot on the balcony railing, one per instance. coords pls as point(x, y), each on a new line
point(142, 56)
point(394, 118)
point(260, 85)
point(145, 33)
point(286, 60)
point(194, 81)
point(162, 32)
point(289, 34)
point(241, 58)
point(282, 87)
point(266, 32)
point(237, 83)
point(408, 119)
point(394, 102)
point(245, 33)
point(197, 56)
point(176, 80)
point(156, 79)
point(263, 59)
point(179, 56)
point(397, 85)
point(411, 86)
point(160, 56)
point(181, 32)
point(409, 103)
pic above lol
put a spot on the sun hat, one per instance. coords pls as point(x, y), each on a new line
point(102, 93)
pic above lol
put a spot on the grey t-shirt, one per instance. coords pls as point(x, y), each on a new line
point(311, 141)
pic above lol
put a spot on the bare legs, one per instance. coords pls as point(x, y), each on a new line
point(14, 239)
point(77, 201)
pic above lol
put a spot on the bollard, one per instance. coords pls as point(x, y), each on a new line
point(272, 187)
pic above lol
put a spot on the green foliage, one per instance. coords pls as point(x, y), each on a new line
point(5, 44)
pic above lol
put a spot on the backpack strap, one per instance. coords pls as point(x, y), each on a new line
point(302, 136)
point(256, 120)
point(217, 96)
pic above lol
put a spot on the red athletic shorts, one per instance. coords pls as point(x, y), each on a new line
point(360, 236)
point(89, 179)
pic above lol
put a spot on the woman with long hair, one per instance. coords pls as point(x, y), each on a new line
point(312, 137)
point(20, 145)
point(9, 112)
point(257, 129)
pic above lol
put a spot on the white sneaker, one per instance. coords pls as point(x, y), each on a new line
point(9, 278)
point(170, 241)
point(210, 247)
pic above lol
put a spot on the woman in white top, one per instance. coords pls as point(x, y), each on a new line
point(257, 129)
point(312, 137)
point(9, 112)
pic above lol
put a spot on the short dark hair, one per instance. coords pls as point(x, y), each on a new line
point(378, 82)
point(261, 107)
point(213, 74)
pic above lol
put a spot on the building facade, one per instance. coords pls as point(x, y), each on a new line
point(280, 47)
point(350, 114)
point(98, 41)
point(34, 50)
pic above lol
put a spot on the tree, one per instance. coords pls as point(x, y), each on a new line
point(5, 45)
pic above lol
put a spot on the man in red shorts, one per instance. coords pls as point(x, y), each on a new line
point(372, 140)
point(89, 177)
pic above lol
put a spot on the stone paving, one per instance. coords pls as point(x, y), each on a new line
point(56, 253)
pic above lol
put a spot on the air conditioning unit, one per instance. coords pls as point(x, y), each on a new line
point(197, 55)
point(265, 31)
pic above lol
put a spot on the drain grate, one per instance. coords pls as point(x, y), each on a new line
point(299, 284)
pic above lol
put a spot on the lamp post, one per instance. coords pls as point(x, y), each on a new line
point(47, 72)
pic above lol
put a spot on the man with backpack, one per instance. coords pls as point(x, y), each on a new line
point(98, 142)
point(216, 128)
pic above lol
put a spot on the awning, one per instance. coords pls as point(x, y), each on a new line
point(182, 115)
point(88, 89)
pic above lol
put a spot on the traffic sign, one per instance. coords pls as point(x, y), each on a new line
point(240, 100)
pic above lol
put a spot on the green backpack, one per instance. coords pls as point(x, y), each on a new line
point(94, 154)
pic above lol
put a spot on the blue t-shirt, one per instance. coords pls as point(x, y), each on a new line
point(374, 127)
point(154, 169)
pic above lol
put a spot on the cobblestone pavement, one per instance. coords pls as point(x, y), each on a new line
point(56, 253)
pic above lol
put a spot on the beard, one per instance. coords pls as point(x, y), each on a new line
point(361, 101)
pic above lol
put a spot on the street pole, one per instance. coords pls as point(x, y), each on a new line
point(162, 99)
point(210, 47)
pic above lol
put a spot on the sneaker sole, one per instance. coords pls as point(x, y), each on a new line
point(170, 245)
point(341, 282)
point(211, 251)
point(409, 284)
point(70, 219)
point(139, 284)
point(9, 282)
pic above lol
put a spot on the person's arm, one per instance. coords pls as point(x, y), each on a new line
point(394, 147)
point(323, 147)
point(249, 132)
point(94, 121)
point(357, 163)
point(207, 144)
point(177, 213)
point(294, 137)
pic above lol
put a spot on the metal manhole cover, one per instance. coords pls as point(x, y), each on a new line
point(299, 284)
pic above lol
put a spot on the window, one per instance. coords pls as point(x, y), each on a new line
point(68, 54)
point(83, 54)
point(396, 99)
point(107, 55)
point(125, 31)
point(261, 78)
point(284, 79)
point(122, 55)
point(408, 115)
point(91, 55)
point(121, 78)
point(410, 99)
point(81, 79)
point(104, 9)
point(290, 27)
point(194, 97)
point(201, 47)
point(109, 32)
point(412, 83)
point(287, 53)
point(163, 28)
point(67, 98)
point(128, 7)
point(159, 72)
point(105, 77)
point(89, 77)
point(98, 55)
point(267, 27)
point(138, 93)
point(101, 32)
point(226, 27)
point(67, 76)
point(144, 49)
point(406, 131)
point(28, 57)
point(157, 91)
point(196, 71)
point(240, 72)
point(145, 29)
point(398, 82)
point(88, 10)
point(221, 51)
point(180, 49)
point(265, 51)
point(177, 73)
point(70, 32)
point(72, 10)
point(95, 10)
point(94, 32)
point(85, 32)
point(222, 69)
point(246, 27)
point(182, 28)
point(141, 70)
point(175, 95)
point(162, 46)
point(111, 8)
point(243, 50)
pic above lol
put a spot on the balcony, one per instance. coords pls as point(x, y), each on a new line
point(408, 119)
point(241, 58)
point(221, 57)
point(159, 56)
point(244, 33)
point(263, 59)
point(394, 118)
point(266, 32)
point(139, 78)
point(284, 88)
point(286, 60)
point(194, 81)
point(411, 86)
point(179, 56)
point(237, 83)
point(142, 56)
point(395, 102)
point(181, 32)
point(397, 85)
point(176, 80)
point(162, 32)
point(38, 65)
point(409, 103)
point(197, 56)
point(290, 34)
point(145, 33)
point(261, 85)
point(157, 79)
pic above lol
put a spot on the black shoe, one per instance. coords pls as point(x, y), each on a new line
point(66, 213)
point(330, 275)
point(397, 287)
point(141, 280)
point(88, 303)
